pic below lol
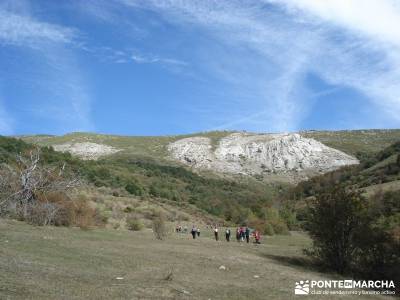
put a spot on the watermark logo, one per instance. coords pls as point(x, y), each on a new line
point(302, 287)
point(344, 287)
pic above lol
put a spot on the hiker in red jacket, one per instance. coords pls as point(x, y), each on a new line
point(241, 234)
point(257, 236)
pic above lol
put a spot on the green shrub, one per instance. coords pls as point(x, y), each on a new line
point(102, 217)
point(335, 217)
point(128, 209)
point(268, 229)
point(280, 227)
point(288, 214)
point(134, 189)
point(133, 223)
point(159, 227)
point(379, 240)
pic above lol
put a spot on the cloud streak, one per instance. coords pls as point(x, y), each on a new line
point(377, 19)
point(369, 60)
point(152, 59)
point(23, 30)
point(67, 102)
point(273, 80)
point(347, 44)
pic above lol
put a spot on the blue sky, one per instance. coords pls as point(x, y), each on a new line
point(152, 67)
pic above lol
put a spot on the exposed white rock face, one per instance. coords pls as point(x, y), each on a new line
point(243, 153)
point(194, 151)
point(86, 150)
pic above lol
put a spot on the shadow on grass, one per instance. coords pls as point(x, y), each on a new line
point(303, 263)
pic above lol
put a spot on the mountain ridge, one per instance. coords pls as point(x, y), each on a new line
point(360, 144)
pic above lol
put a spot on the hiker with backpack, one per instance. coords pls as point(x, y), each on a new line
point(228, 234)
point(247, 234)
point(193, 232)
point(198, 232)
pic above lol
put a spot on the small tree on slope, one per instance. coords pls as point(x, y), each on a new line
point(335, 218)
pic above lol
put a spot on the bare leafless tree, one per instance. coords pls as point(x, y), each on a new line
point(20, 188)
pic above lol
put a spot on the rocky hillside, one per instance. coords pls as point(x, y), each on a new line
point(266, 154)
point(86, 150)
point(273, 156)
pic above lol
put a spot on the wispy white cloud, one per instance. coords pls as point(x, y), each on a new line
point(369, 59)
point(152, 59)
point(68, 102)
point(64, 82)
point(25, 31)
point(377, 19)
point(123, 56)
point(268, 69)
point(346, 43)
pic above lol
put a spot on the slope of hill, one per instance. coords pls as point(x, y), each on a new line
point(143, 166)
point(159, 181)
point(360, 143)
point(148, 146)
point(348, 141)
point(379, 172)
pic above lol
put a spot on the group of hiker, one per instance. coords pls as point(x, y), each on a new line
point(242, 233)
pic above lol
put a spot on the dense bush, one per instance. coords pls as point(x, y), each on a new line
point(335, 218)
point(355, 235)
point(133, 188)
point(268, 221)
point(268, 229)
point(133, 223)
point(159, 226)
point(55, 208)
point(379, 241)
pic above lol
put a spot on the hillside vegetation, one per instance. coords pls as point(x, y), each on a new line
point(240, 201)
point(353, 216)
point(142, 146)
point(143, 169)
point(380, 170)
point(359, 143)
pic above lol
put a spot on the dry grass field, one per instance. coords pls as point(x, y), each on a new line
point(69, 263)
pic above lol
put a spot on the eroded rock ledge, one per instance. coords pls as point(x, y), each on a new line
point(250, 154)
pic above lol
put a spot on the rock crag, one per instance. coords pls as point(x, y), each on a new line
point(251, 154)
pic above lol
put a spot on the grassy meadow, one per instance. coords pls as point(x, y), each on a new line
point(70, 263)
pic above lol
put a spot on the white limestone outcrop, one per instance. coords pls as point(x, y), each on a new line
point(244, 153)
